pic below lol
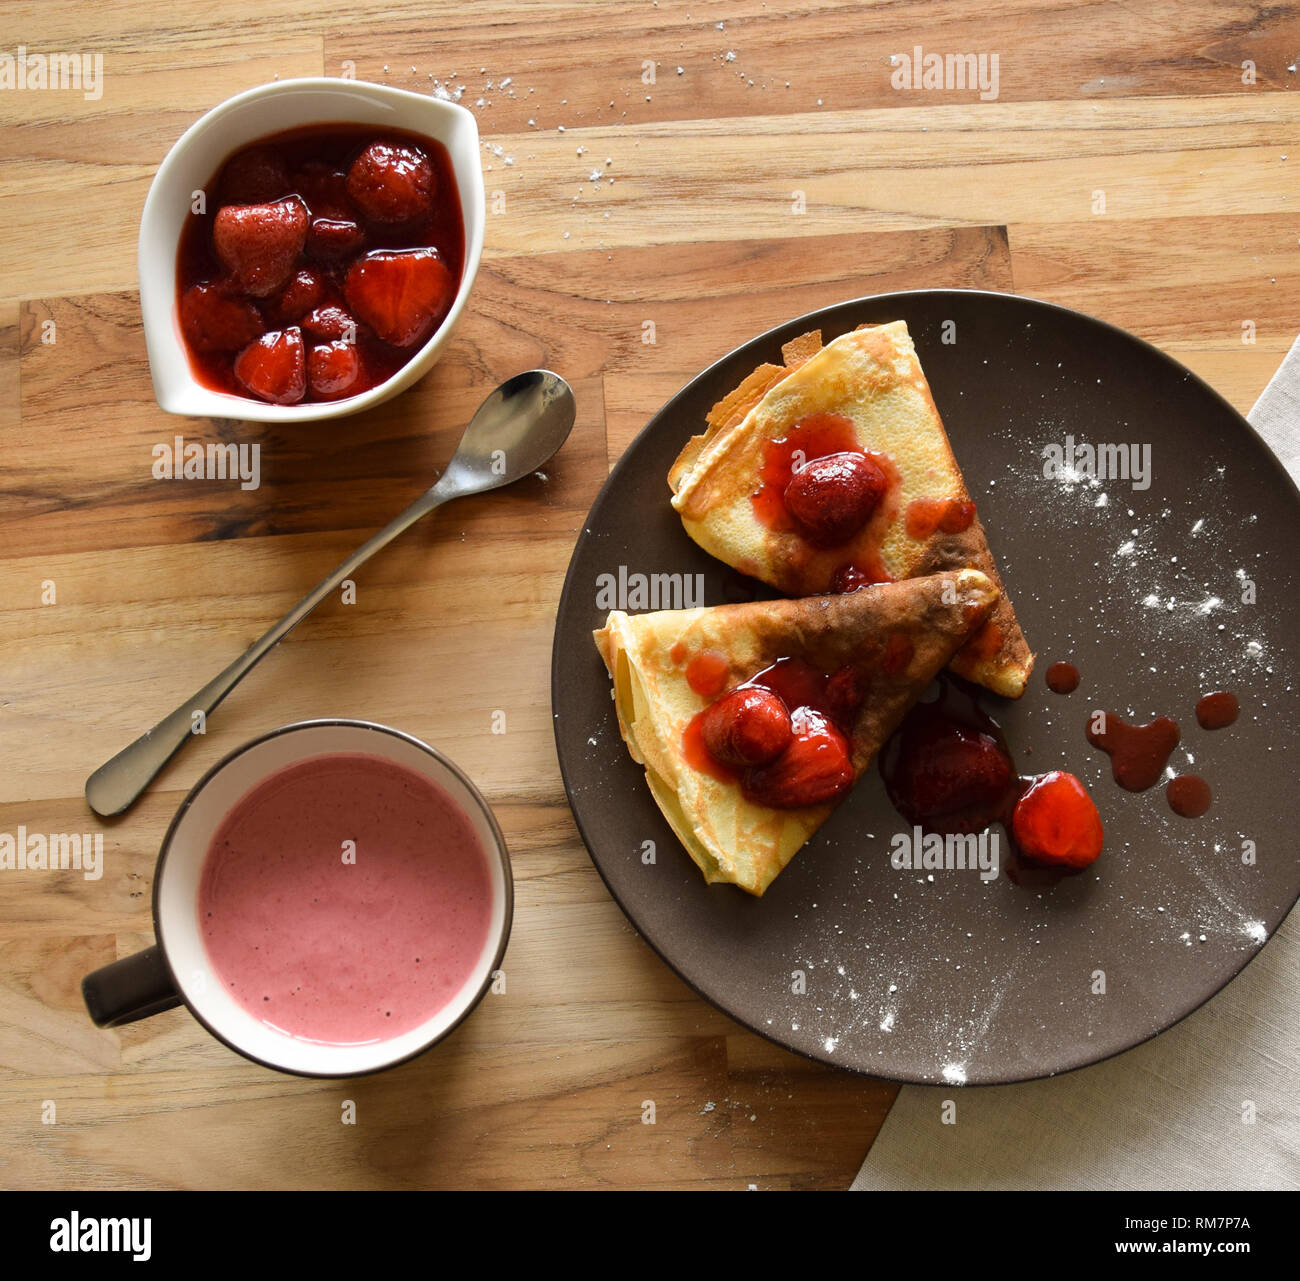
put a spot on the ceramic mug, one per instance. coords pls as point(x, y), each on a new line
point(176, 970)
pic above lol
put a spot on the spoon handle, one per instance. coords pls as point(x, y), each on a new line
point(118, 782)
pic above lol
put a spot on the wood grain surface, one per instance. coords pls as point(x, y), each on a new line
point(624, 201)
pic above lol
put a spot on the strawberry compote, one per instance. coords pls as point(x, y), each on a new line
point(319, 261)
point(947, 769)
point(782, 734)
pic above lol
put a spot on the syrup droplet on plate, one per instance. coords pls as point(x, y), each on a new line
point(1138, 753)
point(1189, 795)
point(1217, 710)
point(1062, 678)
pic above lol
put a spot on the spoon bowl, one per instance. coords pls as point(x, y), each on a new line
point(517, 429)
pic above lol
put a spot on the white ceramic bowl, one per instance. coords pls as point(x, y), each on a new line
point(196, 157)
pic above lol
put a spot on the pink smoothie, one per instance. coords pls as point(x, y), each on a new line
point(335, 951)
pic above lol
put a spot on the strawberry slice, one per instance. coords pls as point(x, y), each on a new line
point(747, 726)
point(962, 769)
point(333, 239)
point(259, 244)
point(402, 294)
point(850, 578)
point(215, 319)
point(274, 367)
point(302, 294)
point(1055, 821)
point(831, 498)
point(323, 189)
point(330, 323)
point(813, 770)
point(333, 370)
point(253, 176)
point(845, 692)
point(392, 184)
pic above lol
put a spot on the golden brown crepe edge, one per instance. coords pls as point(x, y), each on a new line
point(734, 407)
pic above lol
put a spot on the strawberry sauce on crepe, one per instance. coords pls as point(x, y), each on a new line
point(754, 720)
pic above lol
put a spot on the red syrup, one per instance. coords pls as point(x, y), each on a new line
point(1138, 753)
point(1062, 678)
point(925, 516)
point(1189, 795)
point(1217, 710)
point(821, 436)
point(816, 436)
point(707, 672)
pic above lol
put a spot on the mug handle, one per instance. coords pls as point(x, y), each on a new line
point(133, 988)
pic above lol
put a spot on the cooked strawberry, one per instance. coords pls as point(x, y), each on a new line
point(333, 369)
point(323, 189)
point(392, 184)
point(848, 579)
point(400, 294)
point(305, 291)
point(330, 323)
point(333, 239)
point(844, 693)
point(962, 770)
point(274, 367)
point(260, 244)
point(215, 319)
point(831, 498)
point(814, 769)
point(746, 726)
point(253, 177)
point(1055, 821)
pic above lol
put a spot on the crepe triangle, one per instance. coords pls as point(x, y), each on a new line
point(894, 637)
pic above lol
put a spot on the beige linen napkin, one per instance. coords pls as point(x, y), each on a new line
point(1171, 1114)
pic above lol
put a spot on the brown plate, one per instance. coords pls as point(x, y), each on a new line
point(934, 977)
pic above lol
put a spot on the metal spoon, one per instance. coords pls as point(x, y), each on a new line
point(516, 429)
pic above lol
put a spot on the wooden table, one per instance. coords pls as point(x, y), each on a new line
point(770, 167)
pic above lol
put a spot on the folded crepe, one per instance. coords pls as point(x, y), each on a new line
point(870, 382)
point(892, 637)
